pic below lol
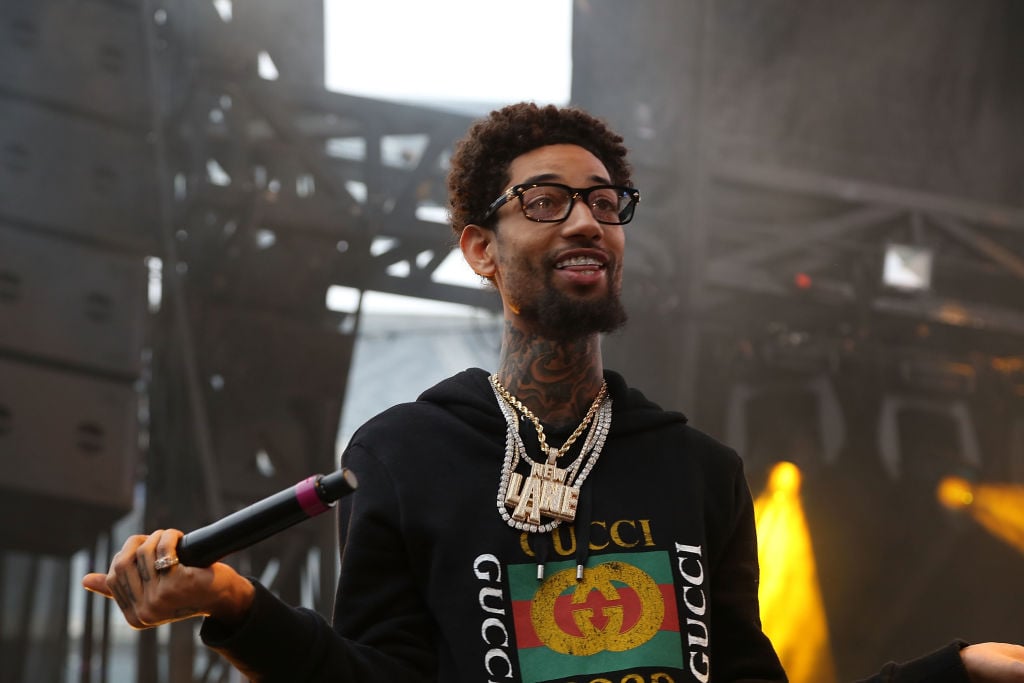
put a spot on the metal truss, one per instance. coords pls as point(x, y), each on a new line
point(359, 179)
point(272, 193)
point(813, 245)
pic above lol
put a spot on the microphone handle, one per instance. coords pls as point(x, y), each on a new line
point(310, 497)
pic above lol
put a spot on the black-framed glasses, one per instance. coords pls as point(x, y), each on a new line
point(553, 202)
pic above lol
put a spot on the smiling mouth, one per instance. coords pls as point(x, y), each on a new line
point(582, 263)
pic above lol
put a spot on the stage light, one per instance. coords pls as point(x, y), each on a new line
point(785, 479)
point(999, 508)
point(907, 267)
point(792, 610)
point(802, 281)
point(955, 493)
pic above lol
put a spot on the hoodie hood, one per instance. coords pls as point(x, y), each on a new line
point(468, 394)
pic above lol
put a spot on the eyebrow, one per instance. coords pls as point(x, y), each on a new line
point(551, 177)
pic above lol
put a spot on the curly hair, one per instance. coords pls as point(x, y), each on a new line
point(479, 165)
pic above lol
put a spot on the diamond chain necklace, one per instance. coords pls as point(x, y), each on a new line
point(551, 452)
point(548, 490)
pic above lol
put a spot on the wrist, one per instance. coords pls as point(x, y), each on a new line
point(235, 602)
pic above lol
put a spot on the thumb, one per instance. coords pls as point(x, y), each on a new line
point(97, 583)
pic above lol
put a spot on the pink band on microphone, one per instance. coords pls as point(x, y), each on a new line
point(305, 493)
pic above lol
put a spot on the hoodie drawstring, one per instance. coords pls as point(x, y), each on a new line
point(543, 547)
point(582, 529)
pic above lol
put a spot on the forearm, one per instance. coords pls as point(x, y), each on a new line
point(278, 643)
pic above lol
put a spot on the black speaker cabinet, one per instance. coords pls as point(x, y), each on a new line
point(68, 454)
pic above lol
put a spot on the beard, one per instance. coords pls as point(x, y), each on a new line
point(560, 317)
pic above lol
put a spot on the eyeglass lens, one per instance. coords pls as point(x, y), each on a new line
point(554, 202)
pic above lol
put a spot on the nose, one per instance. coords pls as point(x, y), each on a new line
point(581, 220)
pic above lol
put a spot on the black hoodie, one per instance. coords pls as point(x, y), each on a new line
point(435, 586)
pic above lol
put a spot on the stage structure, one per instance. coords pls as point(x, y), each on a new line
point(178, 192)
point(277, 191)
point(76, 184)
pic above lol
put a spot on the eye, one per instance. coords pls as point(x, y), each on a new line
point(605, 202)
point(544, 202)
point(541, 197)
point(540, 202)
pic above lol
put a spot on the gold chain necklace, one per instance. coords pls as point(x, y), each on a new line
point(548, 490)
point(551, 452)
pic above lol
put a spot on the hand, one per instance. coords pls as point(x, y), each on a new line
point(149, 597)
point(994, 663)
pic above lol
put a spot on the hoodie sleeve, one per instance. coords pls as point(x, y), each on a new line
point(381, 629)
point(740, 651)
point(942, 666)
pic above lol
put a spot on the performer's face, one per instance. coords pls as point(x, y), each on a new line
point(561, 280)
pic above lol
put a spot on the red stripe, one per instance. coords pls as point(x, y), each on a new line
point(668, 595)
point(526, 636)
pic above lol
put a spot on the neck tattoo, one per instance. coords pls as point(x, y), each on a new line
point(549, 491)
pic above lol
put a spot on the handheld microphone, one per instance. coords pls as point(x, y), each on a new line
point(310, 497)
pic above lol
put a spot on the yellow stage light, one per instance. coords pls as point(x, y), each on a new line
point(792, 611)
point(997, 507)
point(955, 493)
point(785, 479)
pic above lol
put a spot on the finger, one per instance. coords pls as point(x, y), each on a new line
point(159, 598)
point(124, 560)
point(110, 585)
point(123, 579)
point(145, 556)
point(125, 600)
point(167, 546)
point(130, 544)
point(97, 583)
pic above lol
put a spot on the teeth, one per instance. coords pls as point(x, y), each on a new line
point(579, 261)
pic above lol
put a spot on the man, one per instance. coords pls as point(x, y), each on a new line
point(544, 523)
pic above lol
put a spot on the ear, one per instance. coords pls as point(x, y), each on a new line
point(476, 244)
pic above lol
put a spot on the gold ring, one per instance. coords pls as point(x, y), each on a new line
point(165, 562)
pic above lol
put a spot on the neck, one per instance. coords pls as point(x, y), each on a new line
point(556, 380)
